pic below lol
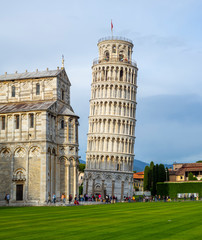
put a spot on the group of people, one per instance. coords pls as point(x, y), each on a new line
point(62, 199)
point(98, 197)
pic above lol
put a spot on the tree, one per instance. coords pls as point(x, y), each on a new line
point(81, 189)
point(151, 175)
point(146, 178)
point(162, 173)
point(200, 161)
point(167, 174)
point(82, 166)
point(157, 173)
point(190, 176)
point(151, 165)
point(153, 188)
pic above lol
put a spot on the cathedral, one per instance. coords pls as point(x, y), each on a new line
point(38, 137)
point(111, 134)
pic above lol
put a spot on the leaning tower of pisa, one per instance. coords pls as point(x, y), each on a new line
point(111, 134)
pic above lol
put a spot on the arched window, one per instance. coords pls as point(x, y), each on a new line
point(17, 122)
point(121, 75)
point(107, 56)
point(121, 56)
point(62, 124)
point(114, 48)
point(77, 139)
point(71, 131)
point(31, 120)
point(62, 94)
point(3, 122)
point(13, 91)
point(37, 89)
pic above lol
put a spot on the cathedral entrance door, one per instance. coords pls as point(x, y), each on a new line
point(19, 192)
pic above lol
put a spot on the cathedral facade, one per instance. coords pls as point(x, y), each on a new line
point(38, 137)
point(111, 134)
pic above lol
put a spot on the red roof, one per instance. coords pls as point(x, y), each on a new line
point(138, 175)
point(187, 167)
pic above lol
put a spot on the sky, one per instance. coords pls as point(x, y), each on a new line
point(167, 41)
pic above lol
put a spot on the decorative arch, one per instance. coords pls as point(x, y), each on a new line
point(64, 159)
point(5, 152)
point(19, 174)
point(19, 152)
point(54, 151)
point(34, 151)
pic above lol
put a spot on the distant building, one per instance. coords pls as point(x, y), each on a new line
point(81, 178)
point(38, 137)
point(180, 171)
point(138, 181)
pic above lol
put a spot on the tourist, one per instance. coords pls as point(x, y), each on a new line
point(7, 198)
point(110, 199)
point(49, 199)
point(70, 198)
point(62, 198)
point(107, 199)
point(76, 202)
point(54, 198)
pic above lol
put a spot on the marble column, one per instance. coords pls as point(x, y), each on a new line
point(122, 190)
point(93, 187)
point(86, 185)
point(103, 181)
point(74, 169)
point(113, 187)
point(67, 182)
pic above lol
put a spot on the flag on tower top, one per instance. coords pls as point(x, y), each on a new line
point(111, 26)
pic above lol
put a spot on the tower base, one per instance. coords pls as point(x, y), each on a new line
point(111, 183)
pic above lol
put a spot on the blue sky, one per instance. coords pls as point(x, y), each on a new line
point(167, 40)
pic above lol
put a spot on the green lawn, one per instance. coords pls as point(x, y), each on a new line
point(171, 220)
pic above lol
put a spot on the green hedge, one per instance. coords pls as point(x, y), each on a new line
point(172, 189)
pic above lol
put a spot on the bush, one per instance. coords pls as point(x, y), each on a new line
point(81, 189)
point(172, 189)
point(191, 176)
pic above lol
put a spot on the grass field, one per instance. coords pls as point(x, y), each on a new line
point(172, 220)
